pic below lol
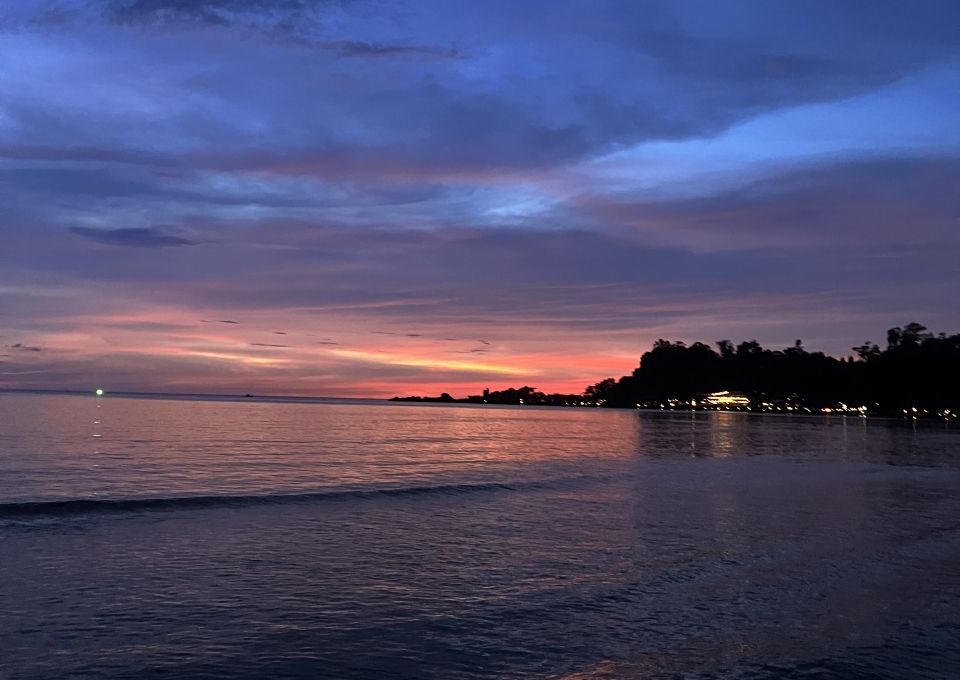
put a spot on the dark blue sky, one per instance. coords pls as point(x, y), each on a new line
point(412, 196)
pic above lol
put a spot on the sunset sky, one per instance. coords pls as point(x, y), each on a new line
point(374, 198)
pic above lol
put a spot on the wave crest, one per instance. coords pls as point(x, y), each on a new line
point(83, 506)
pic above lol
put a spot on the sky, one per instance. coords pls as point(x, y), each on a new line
point(370, 198)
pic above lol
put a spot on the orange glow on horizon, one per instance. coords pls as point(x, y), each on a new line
point(310, 352)
point(428, 362)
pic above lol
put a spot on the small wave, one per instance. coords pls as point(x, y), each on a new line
point(82, 506)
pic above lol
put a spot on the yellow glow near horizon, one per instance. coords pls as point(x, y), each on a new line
point(404, 360)
point(224, 356)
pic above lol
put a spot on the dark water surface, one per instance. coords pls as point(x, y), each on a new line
point(203, 539)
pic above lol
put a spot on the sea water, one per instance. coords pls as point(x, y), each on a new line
point(158, 538)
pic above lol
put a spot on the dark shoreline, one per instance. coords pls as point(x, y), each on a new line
point(459, 403)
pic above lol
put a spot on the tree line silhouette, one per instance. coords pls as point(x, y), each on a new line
point(917, 373)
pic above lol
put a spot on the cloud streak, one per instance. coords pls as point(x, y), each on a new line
point(133, 237)
point(20, 347)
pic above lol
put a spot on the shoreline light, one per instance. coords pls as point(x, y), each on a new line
point(99, 392)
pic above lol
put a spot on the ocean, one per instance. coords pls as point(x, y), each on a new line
point(190, 538)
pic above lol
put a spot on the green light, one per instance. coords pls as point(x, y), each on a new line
point(99, 391)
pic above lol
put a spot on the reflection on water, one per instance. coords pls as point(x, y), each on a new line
point(152, 447)
point(400, 541)
point(76, 447)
